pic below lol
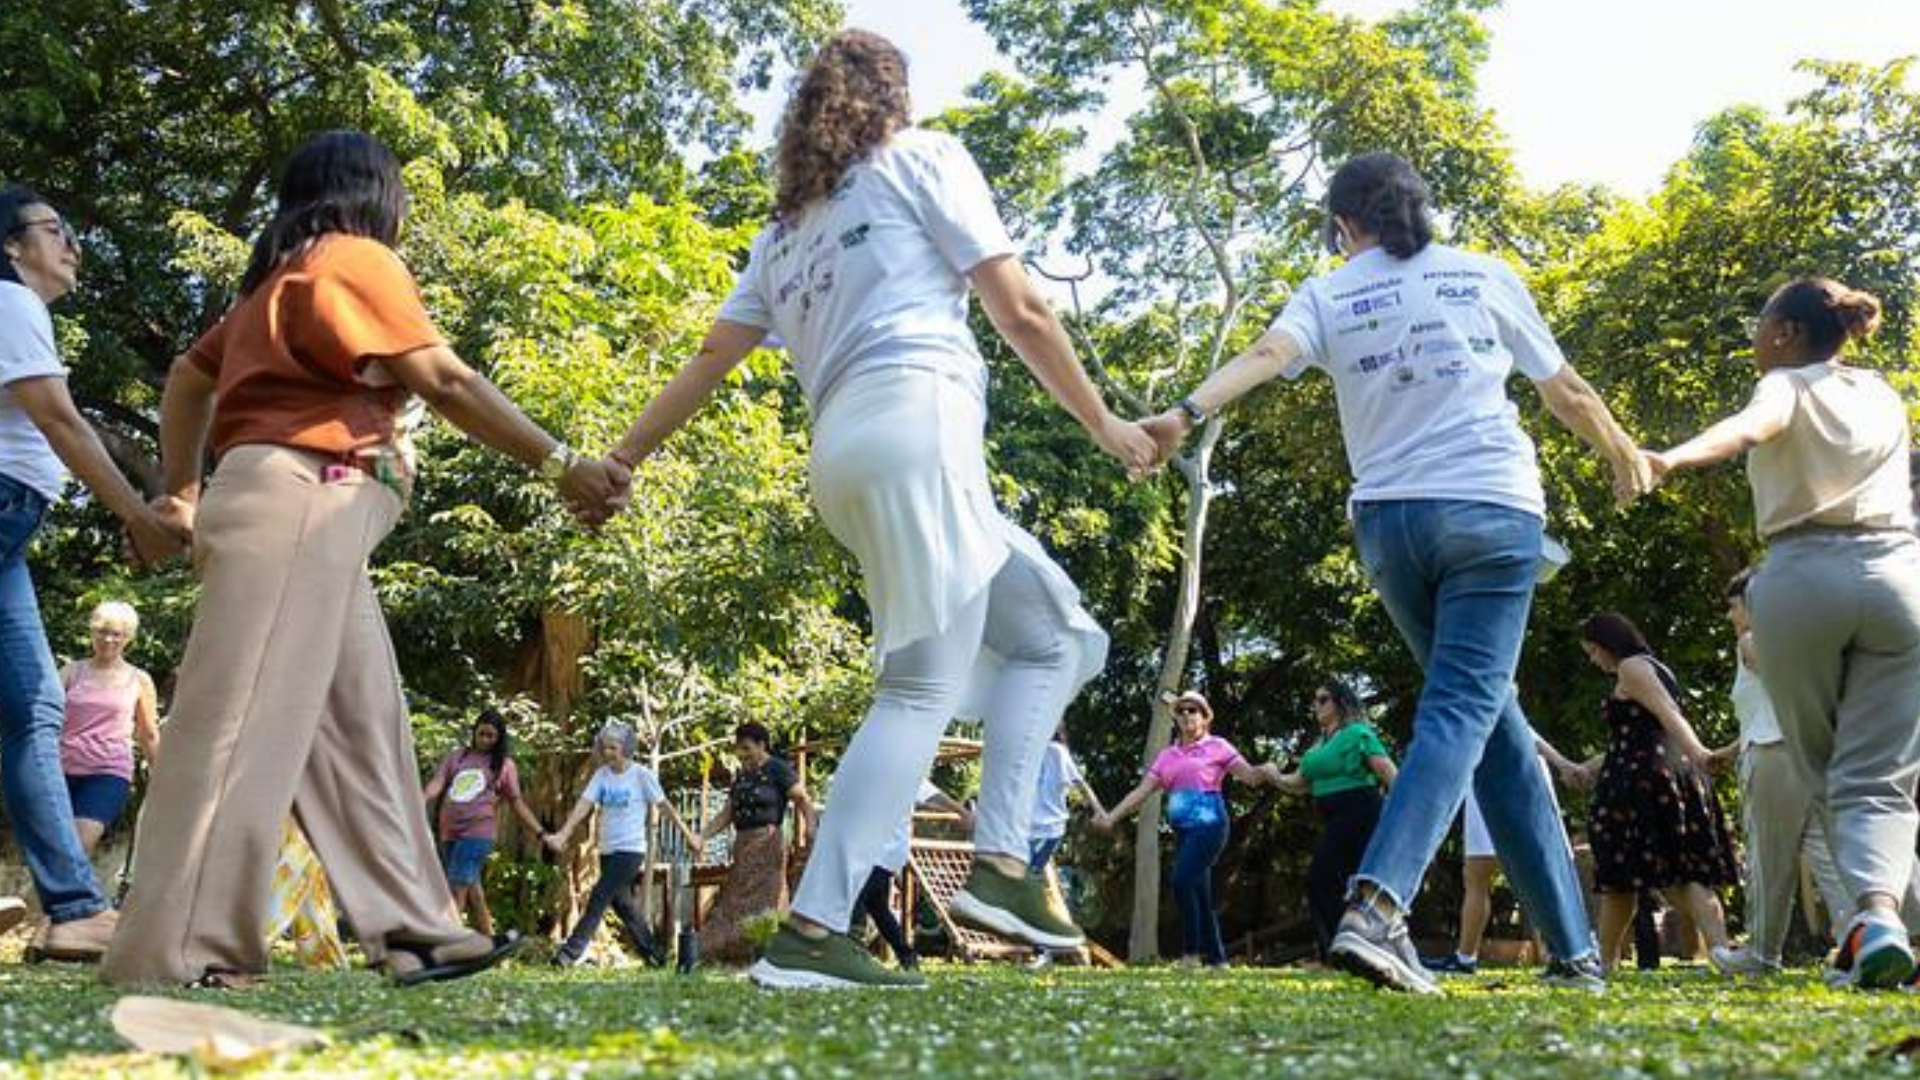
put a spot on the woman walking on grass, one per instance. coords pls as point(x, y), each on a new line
point(880, 232)
point(288, 695)
point(1836, 604)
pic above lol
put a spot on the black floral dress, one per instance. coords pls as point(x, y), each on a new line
point(1655, 823)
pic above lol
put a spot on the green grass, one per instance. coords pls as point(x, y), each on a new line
point(997, 1022)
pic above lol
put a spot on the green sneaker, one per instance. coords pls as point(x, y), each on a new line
point(1017, 908)
point(794, 961)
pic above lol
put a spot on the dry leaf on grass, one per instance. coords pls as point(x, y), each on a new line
point(218, 1038)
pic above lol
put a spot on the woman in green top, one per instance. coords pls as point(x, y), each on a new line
point(1345, 772)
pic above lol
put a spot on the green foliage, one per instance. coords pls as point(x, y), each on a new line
point(999, 1022)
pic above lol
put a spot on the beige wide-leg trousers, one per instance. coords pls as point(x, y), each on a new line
point(288, 698)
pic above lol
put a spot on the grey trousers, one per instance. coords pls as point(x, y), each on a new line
point(1836, 625)
point(1783, 827)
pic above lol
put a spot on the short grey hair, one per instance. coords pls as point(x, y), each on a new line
point(620, 733)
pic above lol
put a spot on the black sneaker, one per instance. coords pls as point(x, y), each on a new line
point(1373, 944)
point(1450, 964)
point(1580, 973)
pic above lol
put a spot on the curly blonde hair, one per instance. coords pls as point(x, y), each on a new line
point(852, 97)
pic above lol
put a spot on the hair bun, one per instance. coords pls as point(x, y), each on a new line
point(1858, 311)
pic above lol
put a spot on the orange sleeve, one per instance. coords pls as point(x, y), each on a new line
point(210, 349)
point(359, 304)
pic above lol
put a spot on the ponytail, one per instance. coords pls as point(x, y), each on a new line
point(1829, 313)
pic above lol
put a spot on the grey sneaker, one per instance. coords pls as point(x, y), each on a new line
point(1373, 944)
point(1580, 973)
point(1016, 908)
point(794, 961)
point(1732, 962)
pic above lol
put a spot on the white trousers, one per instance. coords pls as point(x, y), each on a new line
point(922, 685)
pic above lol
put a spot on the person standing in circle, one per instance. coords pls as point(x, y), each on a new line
point(763, 787)
point(880, 233)
point(1836, 604)
point(42, 438)
point(1192, 771)
point(1654, 822)
point(1448, 510)
point(111, 705)
point(469, 785)
point(288, 695)
point(1345, 771)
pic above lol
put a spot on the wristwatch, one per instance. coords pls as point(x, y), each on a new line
point(1194, 412)
point(553, 468)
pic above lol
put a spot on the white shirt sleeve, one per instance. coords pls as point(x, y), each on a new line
point(596, 787)
point(1775, 397)
point(650, 789)
point(1522, 330)
point(26, 337)
point(928, 791)
point(749, 304)
point(1300, 320)
point(1070, 773)
point(955, 205)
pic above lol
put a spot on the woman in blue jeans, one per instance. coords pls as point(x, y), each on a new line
point(1192, 772)
point(42, 437)
point(1420, 339)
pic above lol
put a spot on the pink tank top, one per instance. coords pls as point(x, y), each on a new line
point(98, 737)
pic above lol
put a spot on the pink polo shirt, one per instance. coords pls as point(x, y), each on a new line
point(1200, 767)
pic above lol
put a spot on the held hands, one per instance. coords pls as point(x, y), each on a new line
point(1168, 430)
point(1103, 823)
point(1633, 476)
point(159, 531)
point(596, 489)
point(555, 842)
point(1127, 442)
point(1659, 464)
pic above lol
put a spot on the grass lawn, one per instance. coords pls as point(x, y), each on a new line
point(997, 1022)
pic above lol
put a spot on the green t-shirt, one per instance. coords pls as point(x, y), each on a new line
point(1339, 762)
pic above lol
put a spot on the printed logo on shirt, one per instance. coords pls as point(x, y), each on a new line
point(1369, 304)
point(1481, 344)
point(1405, 378)
point(1454, 369)
point(1367, 365)
point(468, 785)
point(1433, 327)
point(1470, 275)
point(855, 236)
point(616, 798)
point(1372, 286)
point(1354, 328)
point(1439, 346)
point(845, 187)
point(1456, 294)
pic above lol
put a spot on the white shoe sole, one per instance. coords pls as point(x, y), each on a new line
point(1358, 956)
point(970, 912)
point(770, 977)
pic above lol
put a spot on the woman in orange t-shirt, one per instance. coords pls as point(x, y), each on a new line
point(289, 696)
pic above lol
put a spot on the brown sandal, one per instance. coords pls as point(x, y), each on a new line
point(411, 963)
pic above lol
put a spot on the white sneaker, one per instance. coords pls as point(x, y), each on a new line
point(1732, 962)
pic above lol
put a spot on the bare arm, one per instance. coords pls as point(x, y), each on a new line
point(1383, 768)
point(1028, 323)
point(186, 414)
point(726, 344)
point(526, 816)
point(581, 809)
point(1762, 419)
point(47, 403)
point(803, 805)
point(692, 838)
point(721, 822)
point(1092, 797)
point(1140, 793)
point(146, 715)
point(1640, 682)
point(1579, 409)
point(1264, 360)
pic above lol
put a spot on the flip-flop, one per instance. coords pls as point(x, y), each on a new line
point(504, 945)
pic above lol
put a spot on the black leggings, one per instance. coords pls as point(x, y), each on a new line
point(614, 889)
point(1347, 821)
point(873, 901)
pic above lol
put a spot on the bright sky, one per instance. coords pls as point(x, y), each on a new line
point(1587, 91)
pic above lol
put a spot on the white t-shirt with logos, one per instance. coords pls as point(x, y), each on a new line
point(875, 274)
point(27, 352)
point(1420, 351)
point(1058, 775)
point(623, 798)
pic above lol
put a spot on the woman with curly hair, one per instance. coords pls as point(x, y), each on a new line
point(879, 233)
point(1836, 604)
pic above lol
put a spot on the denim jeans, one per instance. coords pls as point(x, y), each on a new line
point(32, 712)
point(614, 889)
point(1195, 850)
point(1040, 853)
point(1457, 579)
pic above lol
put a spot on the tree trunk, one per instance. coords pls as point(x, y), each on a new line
point(549, 671)
point(1143, 941)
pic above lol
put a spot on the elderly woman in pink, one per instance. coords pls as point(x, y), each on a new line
point(111, 705)
point(1192, 771)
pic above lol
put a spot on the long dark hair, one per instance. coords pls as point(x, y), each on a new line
point(13, 199)
point(1346, 701)
point(851, 98)
point(1383, 195)
point(492, 718)
point(339, 182)
point(1615, 633)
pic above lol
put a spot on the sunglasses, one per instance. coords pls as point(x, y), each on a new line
point(1189, 710)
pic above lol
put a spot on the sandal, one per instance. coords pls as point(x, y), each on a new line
point(420, 965)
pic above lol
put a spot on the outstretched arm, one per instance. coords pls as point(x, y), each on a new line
point(1262, 362)
point(1028, 323)
point(558, 839)
point(1643, 685)
point(1573, 402)
point(726, 344)
point(1763, 418)
point(1147, 786)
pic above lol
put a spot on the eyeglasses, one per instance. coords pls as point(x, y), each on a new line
point(54, 226)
